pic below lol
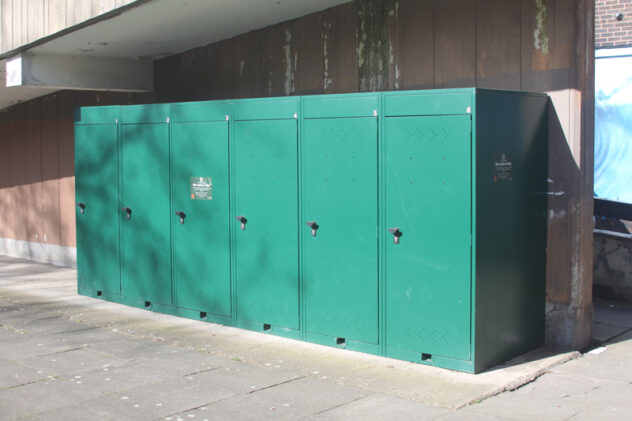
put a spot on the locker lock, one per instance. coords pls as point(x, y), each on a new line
point(313, 225)
point(396, 234)
point(242, 219)
point(82, 207)
point(182, 215)
point(128, 212)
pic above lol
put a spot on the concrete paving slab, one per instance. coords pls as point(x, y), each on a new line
point(70, 363)
point(26, 346)
point(294, 399)
point(14, 374)
point(188, 362)
point(519, 406)
point(129, 348)
point(46, 326)
point(85, 336)
point(613, 314)
point(565, 386)
point(380, 407)
point(466, 415)
point(600, 367)
point(42, 396)
point(603, 331)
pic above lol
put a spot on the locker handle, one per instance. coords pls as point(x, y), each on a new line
point(396, 234)
point(182, 215)
point(314, 226)
point(82, 207)
point(243, 221)
point(128, 212)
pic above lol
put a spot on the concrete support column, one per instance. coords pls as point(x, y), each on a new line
point(570, 239)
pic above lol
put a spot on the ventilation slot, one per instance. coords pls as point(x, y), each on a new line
point(267, 327)
point(426, 357)
point(341, 341)
point(202, 314)
point(147, 304)
point(99, 293)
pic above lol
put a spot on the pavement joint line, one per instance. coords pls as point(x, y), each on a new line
point(202, 371)
point(77, 330)
point(342, 404)
point(629, 329)
point(27, 383)
point(175, 414)
point(590, 377)
point(250, 392)
point(47, 318)
point(57, 352)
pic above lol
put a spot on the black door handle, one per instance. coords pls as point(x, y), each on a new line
point(243, 221)
point(182, 215)
point(128, 211)
point(82, 207)
point(396, 234)
point(314, 226)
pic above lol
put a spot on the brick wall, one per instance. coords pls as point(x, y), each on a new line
point(610, 32)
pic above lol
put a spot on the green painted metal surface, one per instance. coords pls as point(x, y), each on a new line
point(146, 235)
point(428, 190)
point(96, 192)
point(457, 177)
point(201, 234)
point(266, 250)
point(340, 252)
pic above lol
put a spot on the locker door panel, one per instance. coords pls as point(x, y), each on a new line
point(96, 151)
point(340, 195)
point(266, 251)
point(146, 234)
point(428, 201)
point(202, 241)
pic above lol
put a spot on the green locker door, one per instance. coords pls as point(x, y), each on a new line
point(340, 257)
point(201, 233)
point(266, 251)
point(428, 199)
point(96, 193)
point(146, 234)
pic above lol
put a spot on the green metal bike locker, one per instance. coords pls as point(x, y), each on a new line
point(465, 217)
point(265, 214)
point(145, 208)
point(96, 192)
point(339, 192)
point(200, 204)
point(405, 224)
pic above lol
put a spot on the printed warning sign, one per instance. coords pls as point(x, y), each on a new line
point(503, 168)
point(201, 188)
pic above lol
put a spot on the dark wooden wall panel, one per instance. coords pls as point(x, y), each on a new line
point(219, 70)
point(33, 167)
point(277, 69)
point(50, 171)
point(247, 65)
point(340, 55)
point(16, 219)
point(498, 44)
point(414, 50)
point(4, 173)
point(455, 44)
point(191, 87)
point(307, 33)
point(66, 159)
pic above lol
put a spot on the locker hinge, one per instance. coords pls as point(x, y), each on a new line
point(374, 113)
point(168, 120)
point(295, 115)
point(227, 118)
point(116, 120)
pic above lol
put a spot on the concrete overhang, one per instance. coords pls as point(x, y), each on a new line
point(115, 51)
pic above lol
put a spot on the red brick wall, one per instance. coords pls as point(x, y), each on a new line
point(609, 32)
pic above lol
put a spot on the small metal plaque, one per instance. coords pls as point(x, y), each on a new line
point(503, 168)
point(201, 188)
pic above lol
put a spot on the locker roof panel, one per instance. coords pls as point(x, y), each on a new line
point(340, 106)
point(139, 114)
point(432, 102)
point(265, 109)
point(200, 111)
point(97, 115)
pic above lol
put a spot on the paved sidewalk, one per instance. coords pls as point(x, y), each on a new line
point(64, 356)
